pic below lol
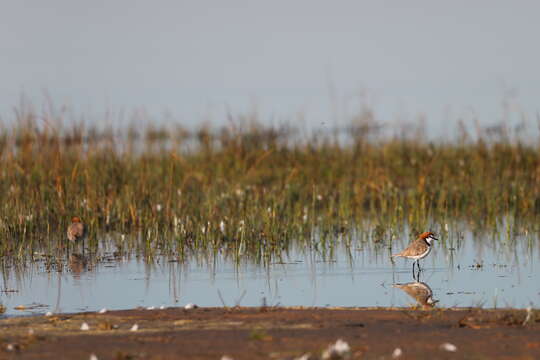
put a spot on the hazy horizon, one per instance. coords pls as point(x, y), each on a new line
point(199, 61)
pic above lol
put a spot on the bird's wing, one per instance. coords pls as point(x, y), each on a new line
point(415, 248)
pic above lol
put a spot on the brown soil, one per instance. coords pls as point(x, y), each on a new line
point(273, 333)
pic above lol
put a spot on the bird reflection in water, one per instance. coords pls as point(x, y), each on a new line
point(77, 264)
point(419, 291)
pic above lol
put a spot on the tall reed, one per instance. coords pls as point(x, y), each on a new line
point(251, 187)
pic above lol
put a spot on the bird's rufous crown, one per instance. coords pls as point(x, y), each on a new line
point(426, 234)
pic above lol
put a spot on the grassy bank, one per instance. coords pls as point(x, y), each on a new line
point(252, 186)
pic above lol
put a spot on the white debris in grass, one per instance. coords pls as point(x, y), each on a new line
point(448, 347)
point(10, 347)
point(150, 308)
point(102, 311)
point(48, 313)
point(397, 353)
point(135, 327)
point(306, 356)
point(339, 350)
point(190, 306)
point(225, 357)
point(85, 327)
point(93, 357)
point(162, 307)
point(528, 318)
point(222, 227)
point(30, 332)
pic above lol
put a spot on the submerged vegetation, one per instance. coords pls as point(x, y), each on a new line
point(253, 187)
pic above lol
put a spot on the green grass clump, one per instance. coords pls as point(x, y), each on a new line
point(251, 188)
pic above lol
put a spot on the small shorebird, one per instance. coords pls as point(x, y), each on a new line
point(418, 249)
point(76, 230)
point(419, 291)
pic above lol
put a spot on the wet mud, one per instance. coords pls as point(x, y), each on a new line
point(274, 333)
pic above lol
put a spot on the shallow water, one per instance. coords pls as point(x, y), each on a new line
point(478, 272)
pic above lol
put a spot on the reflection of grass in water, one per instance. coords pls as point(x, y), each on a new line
point(251, 189)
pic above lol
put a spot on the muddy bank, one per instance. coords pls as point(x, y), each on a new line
point(273, 333)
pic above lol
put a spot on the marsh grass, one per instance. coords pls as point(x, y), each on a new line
point(247, 188)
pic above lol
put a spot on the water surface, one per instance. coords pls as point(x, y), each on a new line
point(476, 272)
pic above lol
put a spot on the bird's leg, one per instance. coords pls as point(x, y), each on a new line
point(416, 275)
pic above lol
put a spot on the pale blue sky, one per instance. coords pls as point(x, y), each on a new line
point(199, 58)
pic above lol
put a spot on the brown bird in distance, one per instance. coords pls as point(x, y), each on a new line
point(76, 230)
